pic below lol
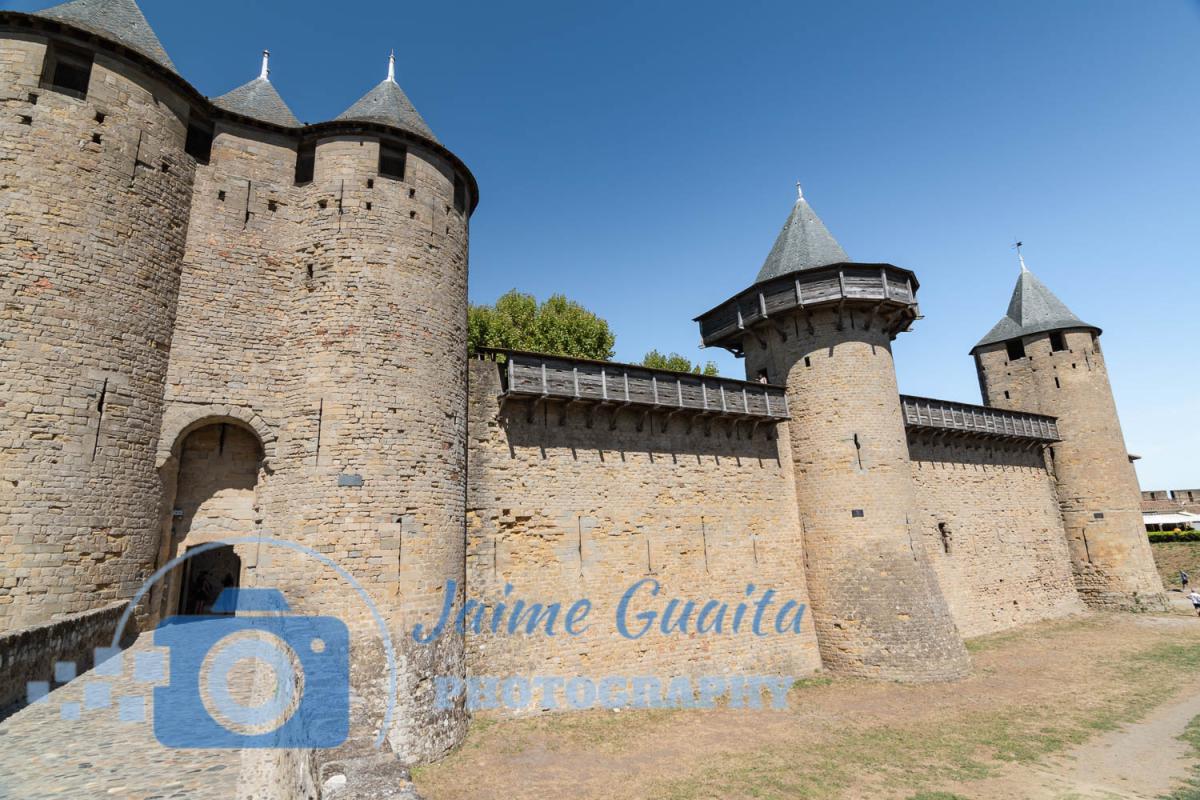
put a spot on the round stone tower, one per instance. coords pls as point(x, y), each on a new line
point(95, 210)
point(1040, 357)
point(823, 326)
point(374, 472)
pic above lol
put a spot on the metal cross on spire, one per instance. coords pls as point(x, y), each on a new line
point(266, 67)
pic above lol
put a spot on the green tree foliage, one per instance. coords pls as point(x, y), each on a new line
point(557, 326)
point(678, 363)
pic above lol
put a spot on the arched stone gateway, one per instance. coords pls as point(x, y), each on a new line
point(211, 482)
point(180, 420)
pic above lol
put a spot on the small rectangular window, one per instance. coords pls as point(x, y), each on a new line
point(391, 161)
point(199, 141)
point(460, 194)
point(1058, 342)
point(67, 70)
point(1016, 349)
point(306, 162)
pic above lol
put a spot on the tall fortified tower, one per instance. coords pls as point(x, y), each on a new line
point(823, 325)
point(95, 213)
point(378, 382)
point(1041, 357)
point(324, 301)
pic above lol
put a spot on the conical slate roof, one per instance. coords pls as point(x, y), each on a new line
point(803, 243)
point(389, 105)
point(259, 100)
point(1032, 309)
point(120, 21)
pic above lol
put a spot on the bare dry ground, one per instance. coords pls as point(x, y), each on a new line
point(1174, 556)
point(1044, 704)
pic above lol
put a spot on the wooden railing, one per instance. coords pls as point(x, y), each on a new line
point(561, 378)
point(946, 416)
point(536, 375)
point(890, 290)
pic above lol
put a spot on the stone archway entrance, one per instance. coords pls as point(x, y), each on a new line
point(212, 488)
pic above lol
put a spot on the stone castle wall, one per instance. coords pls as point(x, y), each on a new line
point(560, 511)
point(988, 517)
point(90, 255)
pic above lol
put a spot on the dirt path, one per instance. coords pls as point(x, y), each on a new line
point(1140, 761)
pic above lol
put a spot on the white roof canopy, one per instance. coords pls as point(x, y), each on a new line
point(1179, 517)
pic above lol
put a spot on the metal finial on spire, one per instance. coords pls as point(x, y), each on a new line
point(799, 192)
point(1017, 246)
point(266, 67)
point(392, 67)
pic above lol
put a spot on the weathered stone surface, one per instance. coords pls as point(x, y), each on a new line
point(988, 517)
point(93, 218)
point(1097, 487)
point(878, 608)
point(566, 511)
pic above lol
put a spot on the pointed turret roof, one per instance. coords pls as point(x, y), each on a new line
point(1032, 309)
point(387, 104)
point(803, 243)
point(120, 21)
point(259, 100)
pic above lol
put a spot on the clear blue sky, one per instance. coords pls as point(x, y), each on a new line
point(640, 157)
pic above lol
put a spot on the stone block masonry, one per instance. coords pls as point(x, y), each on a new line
point(1064, 374)
point(29, 655)
point(987, 515)
point(334, 311)
point(562, 509)
point(879, 610)
point(91, 247)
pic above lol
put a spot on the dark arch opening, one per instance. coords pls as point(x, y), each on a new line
point(211, 490)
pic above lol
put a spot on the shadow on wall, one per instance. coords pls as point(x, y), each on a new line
point(211, 493)
point(968, 452)
point(613, 432)
point(31, 653)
